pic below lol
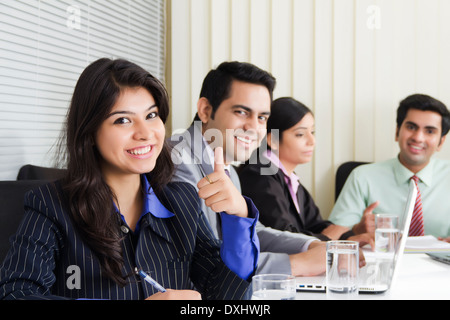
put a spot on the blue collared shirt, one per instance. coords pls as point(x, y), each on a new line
point(151, 205)
point(240, 246)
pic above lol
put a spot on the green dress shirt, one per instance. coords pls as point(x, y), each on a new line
point(387, 182)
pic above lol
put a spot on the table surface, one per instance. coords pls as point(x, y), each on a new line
point(419, 278)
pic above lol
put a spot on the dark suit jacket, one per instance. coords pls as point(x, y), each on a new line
point(47, 254)
point(270, 193)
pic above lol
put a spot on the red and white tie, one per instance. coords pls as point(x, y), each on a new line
point(416, 228)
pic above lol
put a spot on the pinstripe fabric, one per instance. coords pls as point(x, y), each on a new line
point(175, 251)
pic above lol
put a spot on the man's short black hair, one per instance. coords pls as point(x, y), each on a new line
point(424, 103)
point(217, 83)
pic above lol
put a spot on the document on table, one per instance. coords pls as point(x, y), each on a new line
point(426, 244)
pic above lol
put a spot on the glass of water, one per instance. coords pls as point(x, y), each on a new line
point(342, 269)
point(386, 234)
point(273, 287)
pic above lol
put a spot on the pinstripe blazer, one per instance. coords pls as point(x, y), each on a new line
point(49, 260)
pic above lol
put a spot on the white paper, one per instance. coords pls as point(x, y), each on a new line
point(426, 244)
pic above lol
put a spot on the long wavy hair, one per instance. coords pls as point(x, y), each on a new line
point(89, 197)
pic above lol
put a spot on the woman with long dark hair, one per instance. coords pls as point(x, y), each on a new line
point(116, 211)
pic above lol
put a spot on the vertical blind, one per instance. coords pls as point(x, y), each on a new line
point(45, 45)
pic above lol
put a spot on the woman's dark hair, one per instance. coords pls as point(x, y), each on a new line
point(89, 197)
point(424, 103)
point(284, 114)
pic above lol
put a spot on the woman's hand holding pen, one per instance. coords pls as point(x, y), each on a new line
point(167, 294)
point(176, 295)
point(219, 192)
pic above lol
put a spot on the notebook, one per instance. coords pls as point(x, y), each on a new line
point(381, 270)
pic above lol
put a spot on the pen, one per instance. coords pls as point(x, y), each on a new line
point(150, 280)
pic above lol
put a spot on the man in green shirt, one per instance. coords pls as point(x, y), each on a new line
point(422, 126)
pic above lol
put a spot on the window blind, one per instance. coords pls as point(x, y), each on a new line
point(44, 47)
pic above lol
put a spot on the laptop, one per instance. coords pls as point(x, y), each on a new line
point(380, 271)
point(441, 257)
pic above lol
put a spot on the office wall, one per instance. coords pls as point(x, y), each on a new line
point(351, 61)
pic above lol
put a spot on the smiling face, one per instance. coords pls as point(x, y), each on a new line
point(131, 138)
point(419, 137)
point(240, 120)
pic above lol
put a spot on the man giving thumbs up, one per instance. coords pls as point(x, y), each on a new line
point(219, 192)
point(232, 111)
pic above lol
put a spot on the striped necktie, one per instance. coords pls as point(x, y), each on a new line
point(416, 228)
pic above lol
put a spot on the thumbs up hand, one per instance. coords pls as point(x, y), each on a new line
point(219, 192)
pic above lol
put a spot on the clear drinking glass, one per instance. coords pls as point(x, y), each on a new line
point(342, 269)
point(386, 233)
point(273, 287)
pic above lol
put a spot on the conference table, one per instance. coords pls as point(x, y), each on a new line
point(419, 278)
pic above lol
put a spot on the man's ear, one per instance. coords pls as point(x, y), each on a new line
point(441, 143)
point(396, 134)
point(204, 109)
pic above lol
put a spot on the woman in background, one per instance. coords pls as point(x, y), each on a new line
point(116, 211)
point(271, 182)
